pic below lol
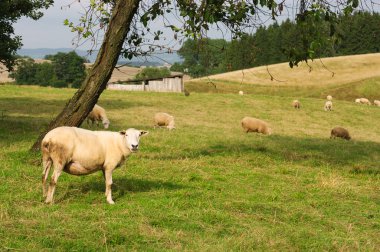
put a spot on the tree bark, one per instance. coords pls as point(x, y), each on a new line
point(78, 107)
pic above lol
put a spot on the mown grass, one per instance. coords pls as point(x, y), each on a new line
point(369, 88)
point(204, 186)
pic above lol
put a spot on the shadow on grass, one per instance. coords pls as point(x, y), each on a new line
point(120, 187)
point(360, 156)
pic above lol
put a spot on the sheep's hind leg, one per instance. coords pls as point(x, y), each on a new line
point(58, 167)
point(47, 163)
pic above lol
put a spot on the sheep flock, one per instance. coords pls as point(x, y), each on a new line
point(80, 151)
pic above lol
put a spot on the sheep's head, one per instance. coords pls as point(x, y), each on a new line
point(106, 123)
point(133, 137)
point(171, 125)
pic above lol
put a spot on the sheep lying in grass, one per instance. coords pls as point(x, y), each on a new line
point(80, 152)
point(376, 103)
point(328, 106)
point(296, 104)
point(357, 100)
point(340, 132)
point(251, 124)
point(329, 98)
point(241, 92)
point(165, 120)
point(365, 101)
point(98, 114)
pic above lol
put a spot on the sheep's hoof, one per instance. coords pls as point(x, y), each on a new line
point(111, 202)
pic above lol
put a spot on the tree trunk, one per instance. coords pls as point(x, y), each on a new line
point(77, 109)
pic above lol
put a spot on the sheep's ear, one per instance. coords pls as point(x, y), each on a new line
point(122, 132)
point(143, 132)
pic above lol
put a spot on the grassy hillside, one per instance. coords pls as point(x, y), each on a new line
point(204, 186)
point(346, 77)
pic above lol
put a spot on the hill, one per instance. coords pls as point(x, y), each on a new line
point(156, 59)
point(344, 77)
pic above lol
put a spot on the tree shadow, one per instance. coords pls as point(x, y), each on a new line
point(360, 156)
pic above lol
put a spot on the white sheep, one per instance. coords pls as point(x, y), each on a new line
point(164, 119)
point(376, 103)
point(80, 152)
point(329, 98)
point(241, 92)
point(357, 100)
point(251, 124)
point(98, 114)
point(328, 106)
point(365, 101)
point(296, 104)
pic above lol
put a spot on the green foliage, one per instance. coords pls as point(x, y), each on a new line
point(289, 41)
point(203, 57)
point(65, 70)
point(68, 67)
point(10, 12)
point(152, 73)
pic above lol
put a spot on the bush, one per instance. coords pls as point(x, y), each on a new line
point(152, 72)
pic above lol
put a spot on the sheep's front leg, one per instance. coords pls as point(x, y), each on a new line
point(108, 179)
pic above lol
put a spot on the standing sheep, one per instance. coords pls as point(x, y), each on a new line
point(340, 132)
point(329, 98)
point(80, 152)
point(376, 103)
point(164, 119)
point(98, 114)
point(296, 104)
point(251, 124)
point(328, 106)
point(365, 101)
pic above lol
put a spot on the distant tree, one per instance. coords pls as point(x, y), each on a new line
point(203, 56)
point(44, 74)
point(177, 67)
point(152, 72)
point(10, 12)
point(64, 70)
point(68, 67)
point(25, 73)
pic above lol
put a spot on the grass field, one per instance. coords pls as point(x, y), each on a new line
point(205, 186)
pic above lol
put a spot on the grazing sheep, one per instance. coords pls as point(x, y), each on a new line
point(357, 100)
point(296, 104)
point(80, 152)
point(329, 98)
point(241, 92)
point(98, 114)
point(376, 103)
point(328, 106)
point(340, 132)
point(365, 101)
point(251, 124)
point(164, 119)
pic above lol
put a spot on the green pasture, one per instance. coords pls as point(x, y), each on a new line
point(205, 186)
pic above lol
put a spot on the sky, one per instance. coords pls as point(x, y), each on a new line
point(48, 31)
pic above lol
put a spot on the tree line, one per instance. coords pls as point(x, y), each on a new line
point(358, 33)
point(59, 70)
